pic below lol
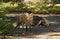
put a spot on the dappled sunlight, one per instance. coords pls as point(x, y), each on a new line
point(55, 22)
point(49, 35)
point(29, 19)
point(39, 30)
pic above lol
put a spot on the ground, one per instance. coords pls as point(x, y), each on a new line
point(50, 32)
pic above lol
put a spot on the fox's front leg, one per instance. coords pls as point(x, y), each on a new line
point(30, 28)
point(26, 28)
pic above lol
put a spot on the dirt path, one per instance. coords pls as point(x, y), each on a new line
point(51, 32)
point(42, 15)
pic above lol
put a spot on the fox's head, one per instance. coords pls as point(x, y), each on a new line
point(29, 15)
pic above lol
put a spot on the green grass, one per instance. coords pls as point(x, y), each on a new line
point(4, 25)
point(10, 7)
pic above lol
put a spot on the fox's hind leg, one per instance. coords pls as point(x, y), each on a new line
point(30, 28)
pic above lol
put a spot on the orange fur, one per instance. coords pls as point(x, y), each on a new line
point(25, 18)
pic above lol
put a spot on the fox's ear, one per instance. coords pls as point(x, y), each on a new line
point(31, 14)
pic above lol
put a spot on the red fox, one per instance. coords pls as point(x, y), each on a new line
point(25, 18)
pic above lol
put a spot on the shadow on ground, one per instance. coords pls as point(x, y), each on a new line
point(37, 30)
